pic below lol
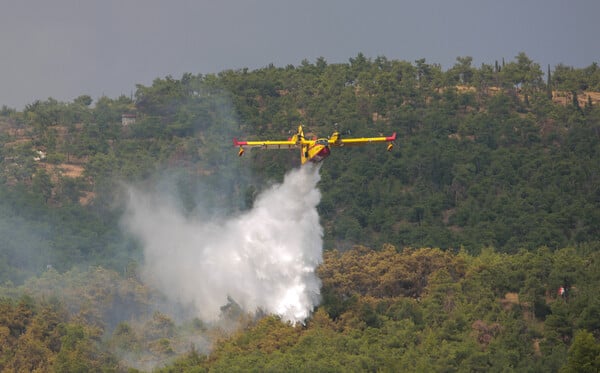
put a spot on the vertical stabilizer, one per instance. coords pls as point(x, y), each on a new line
point(300, 132)
point(304, 149)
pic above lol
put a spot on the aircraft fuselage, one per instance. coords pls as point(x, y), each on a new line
point(316, 152)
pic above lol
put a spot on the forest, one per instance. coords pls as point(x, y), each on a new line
point(472, 246)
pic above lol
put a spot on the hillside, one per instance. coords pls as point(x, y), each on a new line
point(471, 142)
point(410, 310)
point(447, 252)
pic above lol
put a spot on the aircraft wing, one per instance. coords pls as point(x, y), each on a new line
point(363, 140)
point(269, 144)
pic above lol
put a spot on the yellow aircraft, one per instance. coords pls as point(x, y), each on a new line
point(314, 150)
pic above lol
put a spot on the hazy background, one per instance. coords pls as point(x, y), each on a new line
point(66, 48)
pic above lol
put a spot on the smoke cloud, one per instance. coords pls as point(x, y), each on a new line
point(264, 259)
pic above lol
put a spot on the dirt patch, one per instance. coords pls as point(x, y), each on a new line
point(595, 96)
point(86, 198)
point(566, 98)
point(559, 97)
point(71, 170)
point(64, 169)
point(18, 132)
point(16, 142)
point(509, 301)
point(447, 214)
point(465, 88)
point(536, 348)
point(484, 333)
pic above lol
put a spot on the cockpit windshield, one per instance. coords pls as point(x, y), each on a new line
point(322, 142)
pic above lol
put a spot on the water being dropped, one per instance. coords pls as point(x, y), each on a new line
point(265, 258)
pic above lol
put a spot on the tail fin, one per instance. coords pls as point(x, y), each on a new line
point(300, 132)
point(298, 136)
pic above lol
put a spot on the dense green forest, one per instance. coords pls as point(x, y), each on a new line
point(444, 255)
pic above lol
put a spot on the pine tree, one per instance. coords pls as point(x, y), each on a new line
point(576, 101)
point(549, 83)
point(584, 354)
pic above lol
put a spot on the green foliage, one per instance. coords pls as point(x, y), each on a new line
point(39, 337)
point(412, 310)
point(584, 354)
point(489, 169)
point(484, 157)
point(452, 324)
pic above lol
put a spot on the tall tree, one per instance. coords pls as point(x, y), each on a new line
point(584, 354)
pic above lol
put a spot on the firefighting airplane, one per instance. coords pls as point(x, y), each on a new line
point(314, 150)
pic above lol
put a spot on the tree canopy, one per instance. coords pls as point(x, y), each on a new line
point(446, 254)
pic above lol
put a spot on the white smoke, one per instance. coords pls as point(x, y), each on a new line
point(263, 259)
